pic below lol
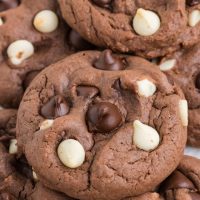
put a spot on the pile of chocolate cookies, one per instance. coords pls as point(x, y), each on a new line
point(98, 99)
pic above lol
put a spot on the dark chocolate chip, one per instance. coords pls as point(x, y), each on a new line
point(76, 41)
point(192, 2)
point(198, 81)
point(29, 77)
point(107, 61)
point(117, 85)
point(103, 117)
point(57, 106)
point(177, 180)
point(103, 3)
point(87, 91)
point(8, 4)
point(195, 196)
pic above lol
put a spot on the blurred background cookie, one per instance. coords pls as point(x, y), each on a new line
point(149, 28)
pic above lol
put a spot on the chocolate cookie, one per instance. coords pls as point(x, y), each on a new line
point(17, 180)
point(184, 182)
point(96, 122)
point(184, 68)
point(32, 36)
point(149, 28)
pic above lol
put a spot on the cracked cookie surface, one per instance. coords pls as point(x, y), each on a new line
point(87, 104)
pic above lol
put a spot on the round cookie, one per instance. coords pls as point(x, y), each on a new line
point(148, 28)
point(96, 122)
point(184, 68)
point(32, 36)
point(184, 182)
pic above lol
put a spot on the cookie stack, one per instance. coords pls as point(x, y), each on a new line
point(98, 99)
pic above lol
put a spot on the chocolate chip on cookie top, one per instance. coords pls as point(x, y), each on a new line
point(103, 117)
point(124, 127)
point(146, 22)
point(192, 2)
point(87, 91)
point(107, 61)
point(57, 106)
point(8, 4)
point(46, 21)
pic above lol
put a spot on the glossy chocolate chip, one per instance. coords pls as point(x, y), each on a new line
point(57, 106)
point(87, 91)
point(177, 180)
point(198, 81)
point(29, 77)
point(107, 61)
point(192, 2)
point(76, 41)
point(103, 117)
point(8, 4)
point(195, 196)
point(103, 3)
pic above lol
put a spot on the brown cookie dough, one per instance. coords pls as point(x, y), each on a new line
point(96, 122)
point(32, 36)
point(149, 28)
point(184, 182)
point(184, 68)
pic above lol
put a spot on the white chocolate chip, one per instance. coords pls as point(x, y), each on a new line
point(46, 21)
point(145, 137)
point(71, 153)
point(46, 124)
point(146, 88)
point(194, 18)
point(146, 22)
point(1, 108)
point(13, 146)
point(167, 64)
point(35, 177)
point(183, 109)
point(1, 21)
point(19, 51)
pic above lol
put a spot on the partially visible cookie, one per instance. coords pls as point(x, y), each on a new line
point(149, 28)
point(184, 68)
point(32, 36)
point(97, 121)
point(184, 182)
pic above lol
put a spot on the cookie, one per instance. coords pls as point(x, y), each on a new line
point(17, 180)
point(96, 122)
point(32, 36)
point(184, 68)
point(148, 28)
point(184, 182)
